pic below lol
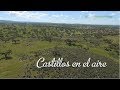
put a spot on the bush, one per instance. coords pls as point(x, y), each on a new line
point(6, 54)
point(70, 42)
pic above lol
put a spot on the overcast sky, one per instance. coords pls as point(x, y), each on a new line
point(72, 17)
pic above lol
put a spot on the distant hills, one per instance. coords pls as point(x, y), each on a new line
point(48, 23)
point(7, 21)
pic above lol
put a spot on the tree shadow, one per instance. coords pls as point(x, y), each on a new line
point(3, 58)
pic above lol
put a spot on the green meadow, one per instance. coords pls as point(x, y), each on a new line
point(22, 44)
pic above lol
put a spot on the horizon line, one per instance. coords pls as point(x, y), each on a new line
point(56, 22)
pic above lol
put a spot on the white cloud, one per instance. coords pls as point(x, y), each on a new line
point(72, 18)
point(91, 15)
point(60, 15)
point(55, 15)
point(27, 14)
point(84, 11)
point(118, 12)
point(112, 14)
point(1, 18)
point(80, 16)
point(94, 16)
point(119, 19)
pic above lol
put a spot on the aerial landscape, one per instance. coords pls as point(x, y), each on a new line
point(76, 36)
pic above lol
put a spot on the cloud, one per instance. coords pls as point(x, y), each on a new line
point(94, 16)
point(117, 12)
point(73, 18)
point(55, 15)
point(60, 15)
point(119, 19)
point(84, 11)
point(112, 14)
point(27, 14)
point(17, 13)
point(80, 16)
point(91, 15)
point(1, 18)
point(103, 16)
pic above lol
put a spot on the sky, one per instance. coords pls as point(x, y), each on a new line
point(70, 17)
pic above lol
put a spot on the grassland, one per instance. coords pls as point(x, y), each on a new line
point(71, 42)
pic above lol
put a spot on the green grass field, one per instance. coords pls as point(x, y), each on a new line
point(72, 43)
